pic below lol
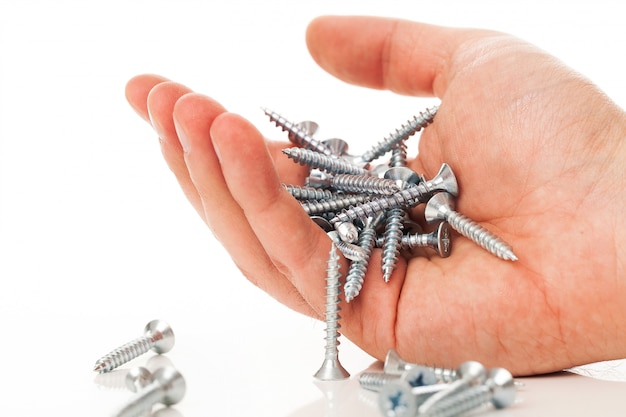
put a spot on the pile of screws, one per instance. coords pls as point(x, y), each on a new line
point(363, 206)
point(165, 385)
point(406, 389)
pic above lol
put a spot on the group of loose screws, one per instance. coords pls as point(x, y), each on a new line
point(409, 390)
point(362, 206)
point(164, 386)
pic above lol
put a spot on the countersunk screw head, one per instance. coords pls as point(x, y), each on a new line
point(445, 180)
point(502, 385)
point(442, 242)
point(163, 335)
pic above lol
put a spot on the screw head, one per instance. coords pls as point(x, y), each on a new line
point(395, 399)
point(438, 206)
point(445, 180)
point(172, 384)
point(394, 364)
point(472, 371)
point(502, 385)
point(442, 242)
point(162, 334)
point(331, 370)
point(308, 127)
point(338, 147)
point(418, 376)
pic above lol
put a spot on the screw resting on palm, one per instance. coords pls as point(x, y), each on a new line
point(331, 368)
point(441, 207)
point(158, 336)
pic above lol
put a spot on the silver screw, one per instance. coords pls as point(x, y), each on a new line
point(414, 125)
point(331, 368)
point(415, 377)
point(308, 193)
point(499, 390)
point(438, 240)
point(332, 205)
point(468, 374)
point(441, 207)
point(329, 164)
point(338, 147)
point(299, 133)
point(168, 387)
point(394, 364)
point(408, 197)
point(394, 226)
point(158, 336)
point(357, 270)
point(349, 250)
point(399, 399)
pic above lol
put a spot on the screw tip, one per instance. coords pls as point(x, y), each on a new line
point(99, 367)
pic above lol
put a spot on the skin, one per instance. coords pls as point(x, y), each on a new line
point(539, 154)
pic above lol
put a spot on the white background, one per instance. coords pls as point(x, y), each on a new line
point(96, 239)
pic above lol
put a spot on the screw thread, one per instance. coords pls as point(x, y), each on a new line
point(374, 381)
point(480, 235)
point(462, 402)
point(364, 184)
point(332, 304)
point(405, 198)
point(413, 126)
point(356, 273)
point(332, 205)
point(398, 155)
point(350, 250)
point(323, 162)
point(308, 193)
point(125, 353)
point(392, 240)
point(297, 135)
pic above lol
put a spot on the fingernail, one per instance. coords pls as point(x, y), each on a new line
point(182, 136)
point(156, 126)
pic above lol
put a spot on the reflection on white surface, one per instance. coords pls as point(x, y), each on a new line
point(559, 394)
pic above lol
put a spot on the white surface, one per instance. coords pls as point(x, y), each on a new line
point(96, 239)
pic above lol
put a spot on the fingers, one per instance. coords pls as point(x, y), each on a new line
point(401, 56)
point(296, 246)
point(233, 191)
point(137, 90)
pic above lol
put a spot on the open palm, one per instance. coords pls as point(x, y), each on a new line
point(539, 157)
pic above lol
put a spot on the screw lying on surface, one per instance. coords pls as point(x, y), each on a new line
point(331, 368)
point(399, 399)
point(167, 387)
point(158, 336)
point(441, 207)
point(468, 374)
point(498, 389)
point(414, 377)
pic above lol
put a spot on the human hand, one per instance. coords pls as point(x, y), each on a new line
point(539, 156)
